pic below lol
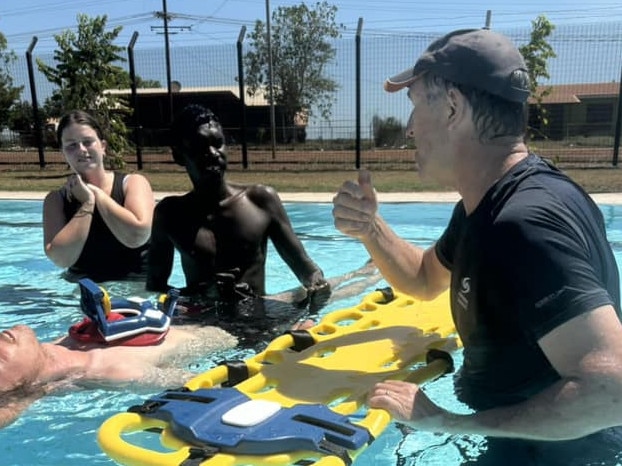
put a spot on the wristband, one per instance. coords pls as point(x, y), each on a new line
point(82, 211)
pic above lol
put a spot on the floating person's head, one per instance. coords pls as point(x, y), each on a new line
point(21, 357)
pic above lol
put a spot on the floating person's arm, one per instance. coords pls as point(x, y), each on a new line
point(13, 404)
point(344, 286)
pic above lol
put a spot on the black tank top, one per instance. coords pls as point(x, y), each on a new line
point(104, 257)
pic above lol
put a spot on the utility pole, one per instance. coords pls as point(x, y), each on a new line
point(165, 17)
point(488, 19)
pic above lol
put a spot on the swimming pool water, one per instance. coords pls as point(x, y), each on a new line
point(61, 429)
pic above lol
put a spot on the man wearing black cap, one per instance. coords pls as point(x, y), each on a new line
point(534, 284)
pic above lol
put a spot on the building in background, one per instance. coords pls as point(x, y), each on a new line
point(151, 112)
point(577, 111)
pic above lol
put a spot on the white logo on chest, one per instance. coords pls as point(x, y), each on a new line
point(463, 293)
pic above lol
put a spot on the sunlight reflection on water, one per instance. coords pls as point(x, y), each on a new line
point(60, 429)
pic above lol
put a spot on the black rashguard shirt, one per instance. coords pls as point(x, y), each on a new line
point(104, 257)
point(531, 256)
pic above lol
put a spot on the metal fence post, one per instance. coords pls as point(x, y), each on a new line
point(358, 93)
point(35, 104)
point(616, 137)
point(242, 98)
point(137, 128)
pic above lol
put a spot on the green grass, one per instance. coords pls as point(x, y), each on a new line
point(177, 180)
point(594, 180)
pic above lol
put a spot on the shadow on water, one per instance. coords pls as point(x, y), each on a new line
point(21, 300)
point(4, 223)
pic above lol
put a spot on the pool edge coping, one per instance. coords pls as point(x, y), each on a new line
point(599, 198)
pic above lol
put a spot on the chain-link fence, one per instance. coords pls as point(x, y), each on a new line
point(366, 126)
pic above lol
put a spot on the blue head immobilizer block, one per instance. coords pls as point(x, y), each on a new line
point(196, 417)
point(139, 316)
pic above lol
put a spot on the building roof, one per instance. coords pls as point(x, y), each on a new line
point(259, 99)
point(575, 93)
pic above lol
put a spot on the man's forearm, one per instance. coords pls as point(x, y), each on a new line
point(398, 261)
point(567, 410)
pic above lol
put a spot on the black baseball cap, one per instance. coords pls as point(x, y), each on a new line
point(479, 58)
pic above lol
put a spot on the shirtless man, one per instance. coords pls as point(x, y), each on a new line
point(30, 369)
point(221, 229)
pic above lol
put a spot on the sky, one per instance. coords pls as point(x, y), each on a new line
point(197, 22)
point(219, 23)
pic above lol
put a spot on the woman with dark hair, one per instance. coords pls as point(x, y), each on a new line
point(99, 223)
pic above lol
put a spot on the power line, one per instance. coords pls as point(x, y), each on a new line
point(423, 18)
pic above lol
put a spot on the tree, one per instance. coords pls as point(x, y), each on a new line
point(86, 67)
point(388, 132)
point(140, 82)
point(537, 53)
point(9, 94)
point(301, 46)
